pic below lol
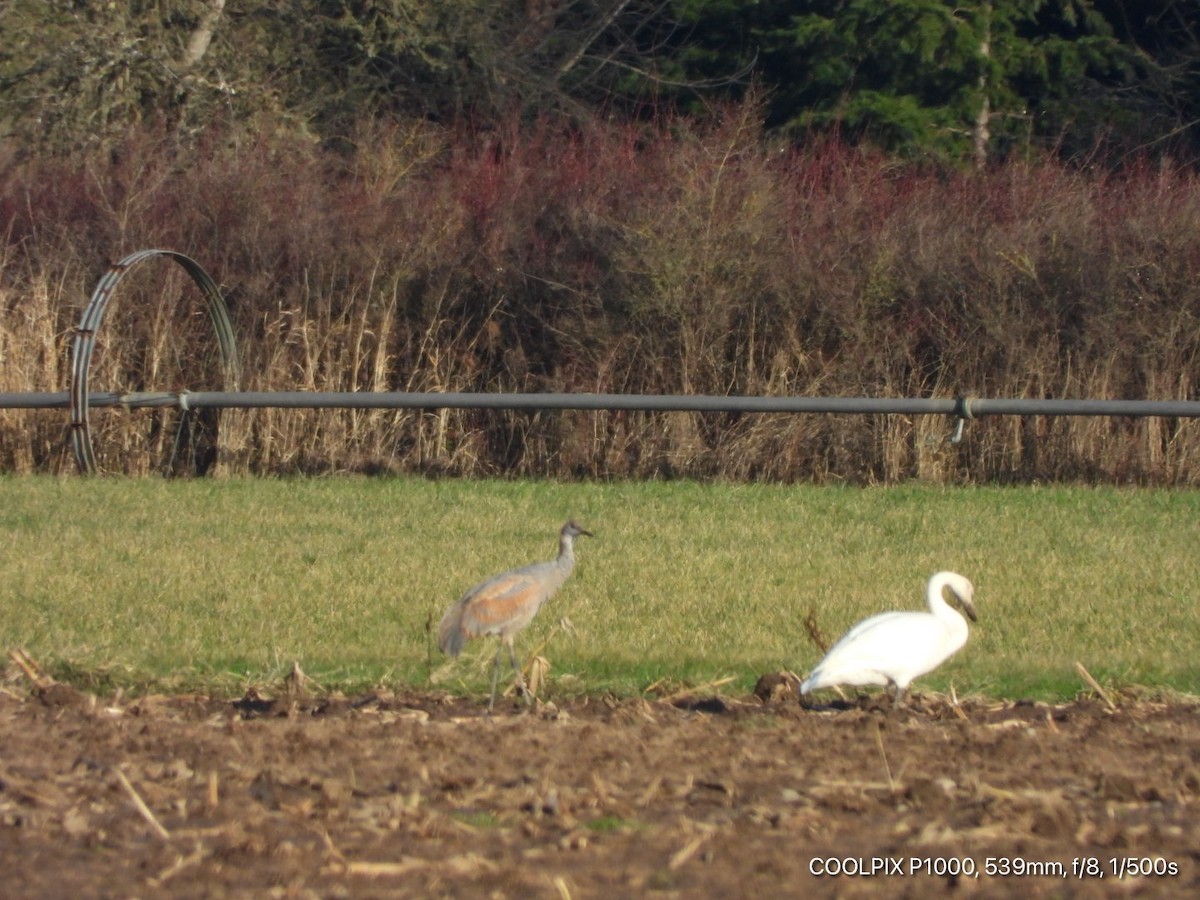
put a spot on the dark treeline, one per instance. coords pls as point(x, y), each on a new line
point(930, 79)
point(857, 198)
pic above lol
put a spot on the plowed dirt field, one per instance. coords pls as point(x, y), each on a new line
point(424, 795)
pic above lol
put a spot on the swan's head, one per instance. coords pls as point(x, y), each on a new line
point(963, 592)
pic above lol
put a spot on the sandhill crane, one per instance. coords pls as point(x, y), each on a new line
point(894, 648)
point(504, 604)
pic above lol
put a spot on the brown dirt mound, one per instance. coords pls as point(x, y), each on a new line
point(422, 794)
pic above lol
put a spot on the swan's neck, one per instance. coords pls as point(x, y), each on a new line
point(937, 600)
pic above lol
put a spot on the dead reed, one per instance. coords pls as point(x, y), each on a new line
point(679, 256)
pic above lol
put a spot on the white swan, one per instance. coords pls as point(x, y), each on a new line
point(894, 648)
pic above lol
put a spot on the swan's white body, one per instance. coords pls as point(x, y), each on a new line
point(894, 648)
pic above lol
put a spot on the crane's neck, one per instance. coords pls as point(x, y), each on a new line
point(566, 552)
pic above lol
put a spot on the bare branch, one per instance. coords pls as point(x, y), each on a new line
point(574, 58)
point(202, 36)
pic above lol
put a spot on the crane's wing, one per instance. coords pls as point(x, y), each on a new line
point(503, 602)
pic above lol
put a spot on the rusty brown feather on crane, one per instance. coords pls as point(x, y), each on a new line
point(504, 604)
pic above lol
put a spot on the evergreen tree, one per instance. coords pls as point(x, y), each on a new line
point(926, 77)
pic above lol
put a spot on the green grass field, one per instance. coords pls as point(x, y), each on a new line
point(156, 585)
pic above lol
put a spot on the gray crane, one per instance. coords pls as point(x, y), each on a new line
point(504, 604)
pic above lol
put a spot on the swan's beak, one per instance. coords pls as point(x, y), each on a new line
point(968, 608)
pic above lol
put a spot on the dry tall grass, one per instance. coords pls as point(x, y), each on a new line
point(674, 257)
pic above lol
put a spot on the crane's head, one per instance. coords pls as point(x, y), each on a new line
point(573, 530)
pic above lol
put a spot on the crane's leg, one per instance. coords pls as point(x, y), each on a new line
point(495, 674)
point(897, 695)
point(512, 657)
